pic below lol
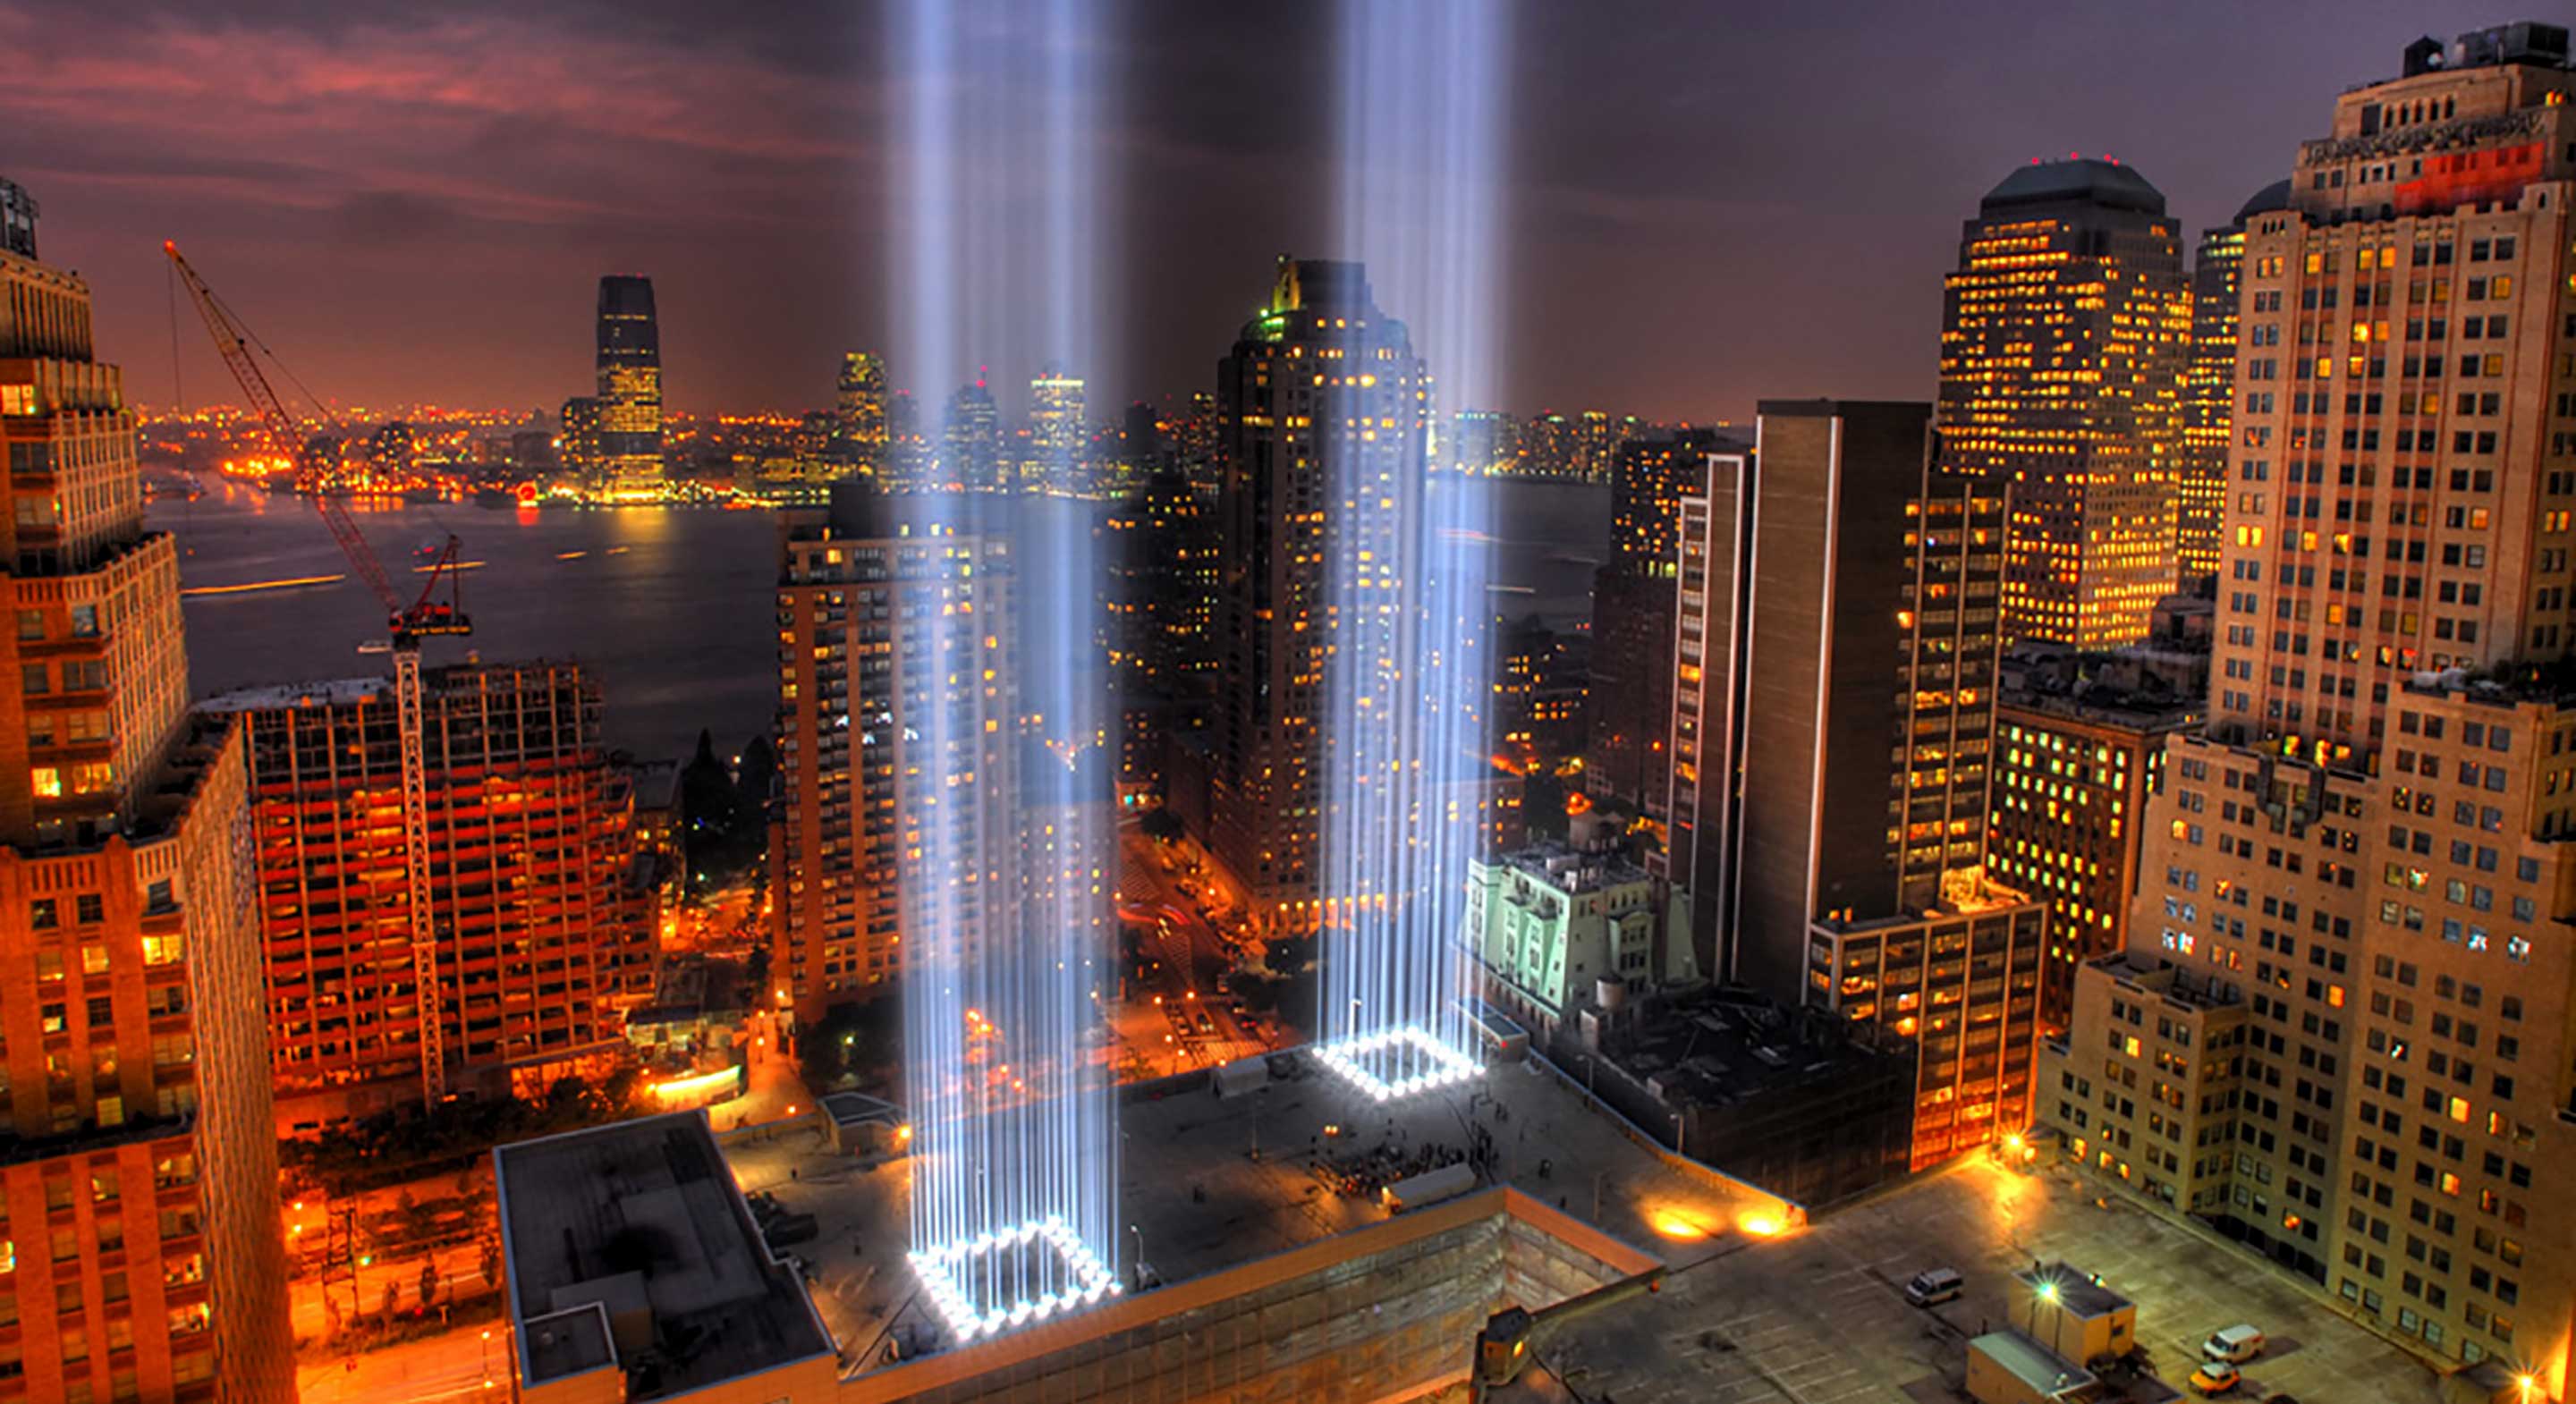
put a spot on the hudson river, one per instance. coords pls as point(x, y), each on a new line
point(669, 608)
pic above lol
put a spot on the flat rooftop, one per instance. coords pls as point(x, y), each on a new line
point(630, 1247)
point(1566, 868)
point(2075, 1289)
point(1208, 1183)
point(2041, 1370)
point(327, 692)
point(1721, 1046)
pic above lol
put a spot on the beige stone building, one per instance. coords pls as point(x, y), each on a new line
point(2364, 863)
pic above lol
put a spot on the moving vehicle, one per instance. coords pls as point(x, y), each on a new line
point(2215, 1378)
point(1935, 1286)
point(2232, 1346)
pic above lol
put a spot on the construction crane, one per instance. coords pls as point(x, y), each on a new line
point(423, 615)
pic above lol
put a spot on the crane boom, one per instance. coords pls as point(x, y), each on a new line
point(424, 615)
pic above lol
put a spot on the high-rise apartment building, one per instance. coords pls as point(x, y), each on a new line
point(1625, 764)
point(1157, 611)
point(138, 1171)
point(1059, 436)
point(2063, 343)
point(860, 415)
point(631, 468)
point(860, 587)
point(1294, 396)
point(2366, 860)
point(542, 910)
point(2209, 386)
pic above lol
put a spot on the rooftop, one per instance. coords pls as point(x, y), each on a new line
point(2177, 984)
point(2085, 180)
point(2040, 1369)
point(1719, 1047)
point(2074, 1291)
point(1568, 869)
point(329, 692)
point(2275, 196)
point(1208, 1184)
point(629, 1245)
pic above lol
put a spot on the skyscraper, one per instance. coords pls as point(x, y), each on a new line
point(2356, 890)
point(2063, 337)
point(630, 391)
point(855, 687)
point(2209, 386)
point(1282, 425)
point(1058, 435)
point(971, 440)
point(1625, 762)
point(537, 966)
point(135, 1112)
point(1832, 733)
point(1868, 634)
point(861, 427)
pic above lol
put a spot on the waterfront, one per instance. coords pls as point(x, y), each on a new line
point(670, 607)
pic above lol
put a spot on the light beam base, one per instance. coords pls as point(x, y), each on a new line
point(1397, 1063)
point(1003, 1280)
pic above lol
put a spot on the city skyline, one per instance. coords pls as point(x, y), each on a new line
point(1278, 864)
point(476, 228)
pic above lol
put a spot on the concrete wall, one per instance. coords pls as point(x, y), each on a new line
point(1390, 1311)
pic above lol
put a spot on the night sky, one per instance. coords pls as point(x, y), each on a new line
point(1710, 203)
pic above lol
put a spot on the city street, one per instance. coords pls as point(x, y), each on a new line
point(1179, 1018)
point(441, 1369)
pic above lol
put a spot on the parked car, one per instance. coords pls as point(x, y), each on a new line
point(2214, 1379)
point(1935, 1286)
point(2233, 1346)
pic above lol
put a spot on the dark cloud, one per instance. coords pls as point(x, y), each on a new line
point(1710, 202)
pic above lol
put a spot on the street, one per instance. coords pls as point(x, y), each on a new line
point(470, 1362)
point(1179, 1017)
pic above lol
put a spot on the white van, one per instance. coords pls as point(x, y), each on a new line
point(2234, 1346)
point(1933, 1287)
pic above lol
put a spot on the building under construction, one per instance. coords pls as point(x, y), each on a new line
point(540, 905)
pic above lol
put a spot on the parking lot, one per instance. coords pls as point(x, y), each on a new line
point(1819, 1317)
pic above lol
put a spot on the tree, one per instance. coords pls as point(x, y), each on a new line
point(754, 777)
point(710, 808)
point(1162, 825)
point(1288, 954)
point(392, 1298)
point(428, 1281)
point(621, 1090)
point(565, 1095)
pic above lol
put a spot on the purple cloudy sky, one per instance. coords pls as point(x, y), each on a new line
point(1710, 201)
